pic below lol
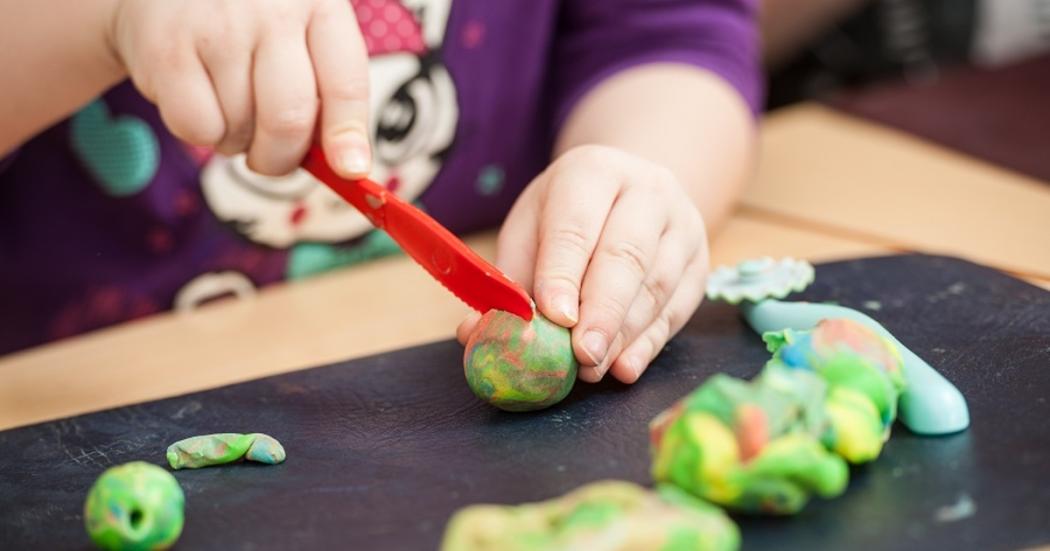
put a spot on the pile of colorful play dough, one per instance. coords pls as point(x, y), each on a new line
point(608, 515)
point(518, 365)
point(827, 396)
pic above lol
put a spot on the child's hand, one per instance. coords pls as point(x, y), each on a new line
point(245, 75)
point(613, 241)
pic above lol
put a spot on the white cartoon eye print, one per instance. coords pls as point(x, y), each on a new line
point(291, 186)
point(277, 212)
point(415, 121)
point(407, 121)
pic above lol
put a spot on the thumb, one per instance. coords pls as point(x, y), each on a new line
point(518, 240)
point(466, 327)
point(515, 253)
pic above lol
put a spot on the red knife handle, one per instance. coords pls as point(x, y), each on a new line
point(365, 195)
point(441, 253)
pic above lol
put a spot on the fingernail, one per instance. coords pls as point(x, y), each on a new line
point(635, 365)
point(590, 374)
point(601, 369)
point(566, 307)
point(355, 158)
point(630, 363)
point(595, 346)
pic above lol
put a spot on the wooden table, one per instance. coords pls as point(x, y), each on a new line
point(829, 186)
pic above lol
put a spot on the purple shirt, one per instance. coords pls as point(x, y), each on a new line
point(107, 217)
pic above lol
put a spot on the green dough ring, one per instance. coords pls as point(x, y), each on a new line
point(517, 365)
point(135, 506)
point(605, 516)
point(219, 449)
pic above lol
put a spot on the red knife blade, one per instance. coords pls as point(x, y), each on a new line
point(450, 261)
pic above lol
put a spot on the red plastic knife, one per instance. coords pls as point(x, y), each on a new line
point(449, 260)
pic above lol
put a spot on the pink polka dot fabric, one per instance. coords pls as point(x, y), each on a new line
point(388, 27)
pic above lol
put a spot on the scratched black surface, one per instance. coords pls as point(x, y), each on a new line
point(383, 449)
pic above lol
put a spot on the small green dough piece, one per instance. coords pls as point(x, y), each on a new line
point(135, 506)
point(607, 515)
point(517, 365)
point(218, 449)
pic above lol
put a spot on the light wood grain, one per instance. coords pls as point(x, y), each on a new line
point(748, 236)
point(854, 178)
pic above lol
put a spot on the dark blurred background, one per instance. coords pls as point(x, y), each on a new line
point(973, 75)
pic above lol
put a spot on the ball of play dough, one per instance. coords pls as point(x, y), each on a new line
point(518, 365)
point(134, 506)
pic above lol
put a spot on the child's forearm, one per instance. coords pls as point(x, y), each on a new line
point(56, 57)
point(680, 117)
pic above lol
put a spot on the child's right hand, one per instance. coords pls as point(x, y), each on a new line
point(249, 75)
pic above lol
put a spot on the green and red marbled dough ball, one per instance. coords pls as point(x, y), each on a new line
point(518, 365)
point(134, 506)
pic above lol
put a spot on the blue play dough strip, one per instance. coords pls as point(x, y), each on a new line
point(930, 404)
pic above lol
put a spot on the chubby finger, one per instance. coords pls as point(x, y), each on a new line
point(340, 61)
point(675, 250)
point(636, 357)
point(515, 250)
point(229, 63)
point(574, 211)
point(285, 103)
point(518, 238)
point(621, 262)
point(466, 327)
point(595, 373)
point(187, 102)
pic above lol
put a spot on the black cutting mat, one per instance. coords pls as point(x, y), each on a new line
point(383, 449)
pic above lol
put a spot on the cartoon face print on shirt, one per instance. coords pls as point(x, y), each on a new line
point(413, 121)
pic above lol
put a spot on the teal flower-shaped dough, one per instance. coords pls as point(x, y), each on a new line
point(757, 279)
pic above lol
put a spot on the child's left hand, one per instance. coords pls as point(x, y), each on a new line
point(612, 246)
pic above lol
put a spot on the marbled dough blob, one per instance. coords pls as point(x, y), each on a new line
point(518, 365)
point(217, 449)
point(827, 396)
point(607, 515)
point(749, 446)
point(864, 375)
point(135, 506)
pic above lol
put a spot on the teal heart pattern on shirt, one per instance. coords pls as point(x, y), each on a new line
point(309, 259)
point(120, 152)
